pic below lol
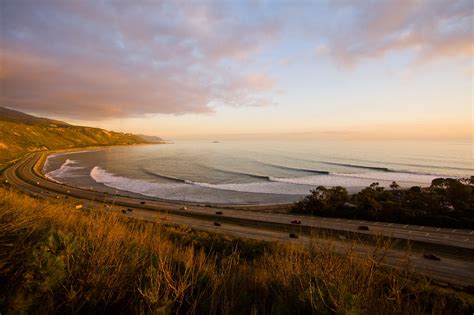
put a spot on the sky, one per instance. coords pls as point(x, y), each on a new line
point(395, 69)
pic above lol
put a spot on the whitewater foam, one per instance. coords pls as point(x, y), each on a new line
point(270, 187)
point(360, 180)
point(297, 186)
point(65, 171)
point(175, 191)
point(55, 155)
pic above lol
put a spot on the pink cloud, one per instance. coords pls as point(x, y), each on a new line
point(430, 29)
point(258, 81)
point(104, 60)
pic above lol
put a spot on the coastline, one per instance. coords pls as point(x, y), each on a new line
point(265, 207)
point(8, 163)
point(223, 197)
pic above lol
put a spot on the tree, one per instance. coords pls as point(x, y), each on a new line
point(394, 185)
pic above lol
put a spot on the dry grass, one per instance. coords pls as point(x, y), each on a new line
point(54, 259)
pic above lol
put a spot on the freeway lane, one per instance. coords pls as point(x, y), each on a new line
point(264, 226)
point(448, 237)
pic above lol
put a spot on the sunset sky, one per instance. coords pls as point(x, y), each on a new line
point(299, 69)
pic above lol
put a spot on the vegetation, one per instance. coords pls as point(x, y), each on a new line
point(21, 133)
point(56, 259)
point(446, 203)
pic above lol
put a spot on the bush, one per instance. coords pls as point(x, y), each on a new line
point(447, 203)
point(55, 259)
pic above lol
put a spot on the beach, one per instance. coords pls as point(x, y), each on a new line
point(247, 173)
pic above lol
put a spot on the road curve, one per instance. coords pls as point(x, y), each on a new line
point(456, 268)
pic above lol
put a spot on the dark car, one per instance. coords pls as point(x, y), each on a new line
point(219, 212)
point(363, 228)
point(217, 224)
point(431, 257)
point(293, 235)
point(124, 211)
point(142, 203)
point(129, 210)
point(296, 222)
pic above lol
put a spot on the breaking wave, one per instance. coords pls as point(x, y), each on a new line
point(66, 170)
point(297, 169)
point(166, 177)
point(176, 189)
point(365, 167)
point(189, 190)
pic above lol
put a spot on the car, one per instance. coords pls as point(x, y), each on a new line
point(66, 197)
point(431, 257)
point(363, 228)
point(293, 235)
point(124, 211)
point(129, 210)
point(296, 222)
point(219, 212)
point(217, 224)
point(142, 203)
point(184, 208)
point(37, 183)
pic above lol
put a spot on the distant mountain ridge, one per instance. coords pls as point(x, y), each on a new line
point(21, 133)
point(152, 139)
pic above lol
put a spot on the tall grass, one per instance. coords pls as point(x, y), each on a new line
point(55, 259)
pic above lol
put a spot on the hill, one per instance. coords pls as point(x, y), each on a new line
point(11, 115)
point(21, 133)
point(151, 139)
point(55, 259)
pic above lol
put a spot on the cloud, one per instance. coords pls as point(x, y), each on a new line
point(321, 50)
point(285, 61)
point(108, 59)
point(258, 81)
point(95, 60)
point(431, 30)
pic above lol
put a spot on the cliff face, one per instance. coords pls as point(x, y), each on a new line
point(22, 133)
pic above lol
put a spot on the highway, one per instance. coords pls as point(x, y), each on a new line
point(454, 246)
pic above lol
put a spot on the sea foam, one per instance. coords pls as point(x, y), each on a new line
point(298, 186)
point(176, 191)
point(66, 170)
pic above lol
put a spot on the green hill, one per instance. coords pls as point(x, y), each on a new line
point(21, 133)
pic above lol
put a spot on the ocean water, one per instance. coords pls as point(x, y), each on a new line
point(247, 172)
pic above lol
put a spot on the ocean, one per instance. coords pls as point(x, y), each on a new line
point(258, 172)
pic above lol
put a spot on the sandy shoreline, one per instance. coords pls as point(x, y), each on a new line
point(223, 197)
point(267, 207)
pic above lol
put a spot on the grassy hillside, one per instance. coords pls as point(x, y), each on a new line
point(21, 133)
point(55, 259)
